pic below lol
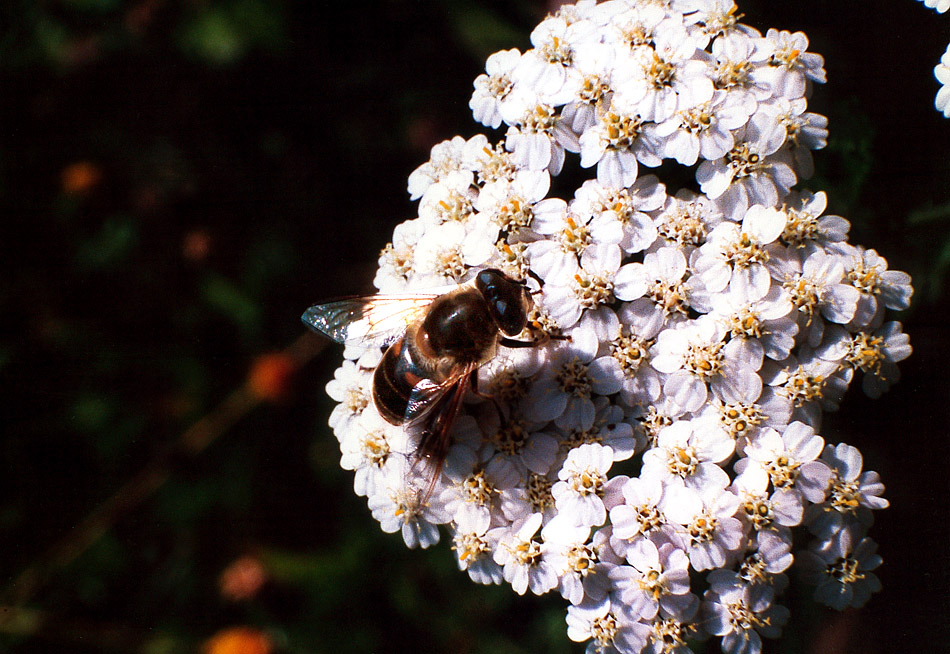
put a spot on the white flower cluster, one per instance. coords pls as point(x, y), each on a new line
point(652, 466)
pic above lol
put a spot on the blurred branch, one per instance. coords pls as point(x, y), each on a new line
point(192, 442)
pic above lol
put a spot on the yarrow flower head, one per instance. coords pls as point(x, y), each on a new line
point(650, 442)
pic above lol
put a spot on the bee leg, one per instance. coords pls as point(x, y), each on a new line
point(511, 342)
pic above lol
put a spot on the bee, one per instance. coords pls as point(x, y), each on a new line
point(435, 343)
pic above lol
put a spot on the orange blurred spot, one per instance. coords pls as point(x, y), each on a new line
point(238, 640)
point(196, 245)
point(242, 579)
point(81, 177)
point(271, 376)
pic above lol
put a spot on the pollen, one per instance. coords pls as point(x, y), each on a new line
point(541, 119)
point(803, 293)
point(514, 261)
point(575, 238)
point(745, 323)
point(743, 162)
point(660, 72)
point(865, 279)
point(574, 378)
point(845, 570)
point(557, 51)
point(682, 461)
point(355, 399)
point(758, 511)
point(515, 215)
point(698, 119)
point(604, 631)
point(684, 225)
point(739, 418)
point(704, 361)
point(671, 635)
point(470, 547)
point(754, 568)
point(652, 584)
point(631, 352)
point(500, 86)
point(538, 493)
point(511, 438)
point(588, 482)
point(783, 472)
point(527, 552)
point(476, 489)
point(620, 131)
point(801, 228)
point(703, 530)
point(731, 75)
point(844, 496)
point(669, 296)
point(593, 90)
point(450, 265)
point(653, 423)
point(399, 260)
point(375, 448)
point(593, 291)
point(866, 353)
point(581, 559)
point(456, 207)
point(745, 251)
point(802, 387)
point(742, 618)
point(497, 164)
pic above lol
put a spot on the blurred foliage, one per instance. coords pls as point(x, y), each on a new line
point(179, 179)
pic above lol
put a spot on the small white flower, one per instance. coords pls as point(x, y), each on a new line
point(655, 577)
point(473, 554)
point(492, 89)
point(705, 524)
point(578, 562)
point(840, 567)
point(687, 453)
point(738, 256)
point(640, 515)
point(610, 626)
point(852, 494)
point(741, 613)
point(401, 507)
point(788, 461)
point(752, 172)
point(579, 494)
point(525, 565)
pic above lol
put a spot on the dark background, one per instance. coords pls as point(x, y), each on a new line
point(179, 180)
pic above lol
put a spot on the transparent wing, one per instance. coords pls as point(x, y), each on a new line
point(368, 320)
point(427, 394)
point(430, 415)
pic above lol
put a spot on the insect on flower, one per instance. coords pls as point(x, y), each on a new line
point(435, 343)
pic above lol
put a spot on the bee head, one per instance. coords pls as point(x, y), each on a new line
point(508, 300)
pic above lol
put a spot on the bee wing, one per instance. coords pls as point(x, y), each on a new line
point(368, 320)
point(430, 414)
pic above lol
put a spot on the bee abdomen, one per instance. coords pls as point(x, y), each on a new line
point(395, 377)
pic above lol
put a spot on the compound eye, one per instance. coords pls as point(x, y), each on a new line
point(510, 318)
point(506, 300)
